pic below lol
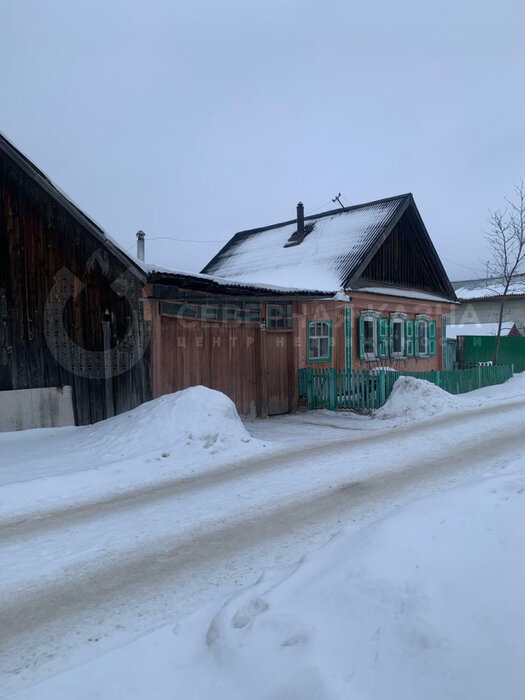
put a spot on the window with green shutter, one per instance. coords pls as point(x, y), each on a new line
point(421, 336)
point(368, 335)
point(398, 335)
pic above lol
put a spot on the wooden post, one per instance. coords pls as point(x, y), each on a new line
point(309, 389)
point(332, 389)
point(382, 389)
point(262, 373)
point(108, 379)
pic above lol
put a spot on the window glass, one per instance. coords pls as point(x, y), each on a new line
point(369, 340)
point(398, 337)
point(280, 316)
point(319, 345)
point(422, 337)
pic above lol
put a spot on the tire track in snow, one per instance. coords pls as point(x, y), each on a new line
point(26, 524)
point(28, 616)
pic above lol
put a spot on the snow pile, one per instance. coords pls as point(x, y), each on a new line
point(426, 603)
point(414, 399)
point(197, 417)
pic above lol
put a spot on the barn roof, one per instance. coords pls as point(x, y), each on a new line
point(146, 272)
point(488, 288)
point(41, 179)
point(334, 252)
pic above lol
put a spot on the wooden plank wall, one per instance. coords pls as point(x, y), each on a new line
point(38, 239)
point(222, 356)
point(256, 369)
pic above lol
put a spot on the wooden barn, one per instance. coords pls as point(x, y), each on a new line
point(388, 290)
point(71, 323)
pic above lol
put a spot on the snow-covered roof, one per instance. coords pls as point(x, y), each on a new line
point(333, 249)
point(331, 254)
point(485, 288)
point(453, 330)
point(160, 274)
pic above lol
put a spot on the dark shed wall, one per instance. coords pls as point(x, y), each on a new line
point(46, 256)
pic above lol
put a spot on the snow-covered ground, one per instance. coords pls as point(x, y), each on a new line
point(426, 603)
point(114, 531)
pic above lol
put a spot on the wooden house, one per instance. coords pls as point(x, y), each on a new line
point(87, 331)
point(389, 292)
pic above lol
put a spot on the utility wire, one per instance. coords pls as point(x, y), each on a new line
point(179, 240)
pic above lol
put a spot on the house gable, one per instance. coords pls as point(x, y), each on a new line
point(406, 258)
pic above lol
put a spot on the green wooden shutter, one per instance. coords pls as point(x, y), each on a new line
point(382, 337)
point(390, 337)
point(361, 337)
point(409, 338)
point(416, 338)
point(432, 339)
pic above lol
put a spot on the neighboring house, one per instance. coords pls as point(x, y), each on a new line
point(86, 331)
point(480, 302)
point(508, 328)
point(390, 290)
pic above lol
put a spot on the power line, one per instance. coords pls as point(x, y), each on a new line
point(178, 240)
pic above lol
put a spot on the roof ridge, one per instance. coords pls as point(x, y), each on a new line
point(330, 212)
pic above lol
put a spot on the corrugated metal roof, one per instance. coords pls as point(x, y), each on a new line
point(327, 258)
point(476, 290)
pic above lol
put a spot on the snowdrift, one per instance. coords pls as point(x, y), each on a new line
point(416, 399)
point(194, 418)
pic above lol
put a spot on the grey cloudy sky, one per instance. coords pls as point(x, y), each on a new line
point(194, 120)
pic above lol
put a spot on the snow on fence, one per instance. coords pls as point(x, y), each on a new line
point(366, 390)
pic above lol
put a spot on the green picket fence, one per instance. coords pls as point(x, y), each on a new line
point(367, 390)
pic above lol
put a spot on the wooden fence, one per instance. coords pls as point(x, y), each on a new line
point(367, 390)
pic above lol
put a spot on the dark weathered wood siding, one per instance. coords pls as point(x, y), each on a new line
point(39, 240)
point(407, 260)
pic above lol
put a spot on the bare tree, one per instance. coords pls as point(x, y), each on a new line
point(506, 241)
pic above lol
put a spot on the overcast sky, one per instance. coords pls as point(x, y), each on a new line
point(194, 120)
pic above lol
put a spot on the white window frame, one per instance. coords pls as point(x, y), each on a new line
point(421, 318)
point(371, 316)
point(324, 324)
point(401, 318)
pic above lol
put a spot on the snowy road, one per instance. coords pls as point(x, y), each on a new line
point(87, 577)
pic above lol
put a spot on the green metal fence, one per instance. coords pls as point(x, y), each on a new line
point(367, 390)
point(480, 348)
